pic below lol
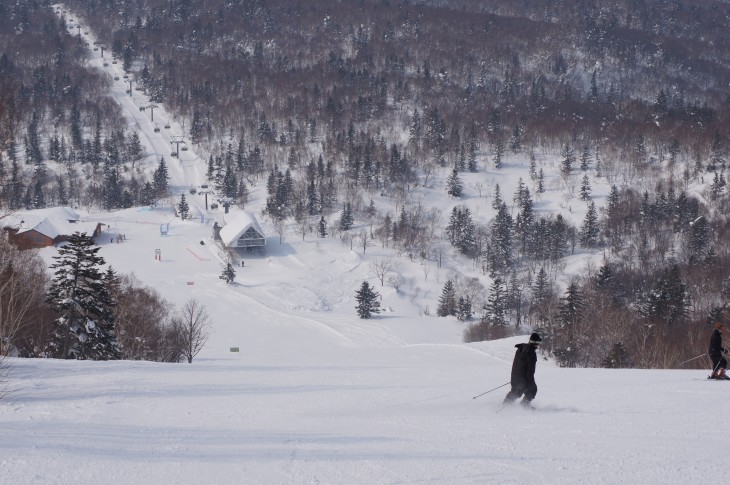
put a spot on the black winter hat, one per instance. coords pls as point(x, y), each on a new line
point(535, 339)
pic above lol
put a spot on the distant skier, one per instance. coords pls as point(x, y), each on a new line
point(523, 372)
point(719, 363)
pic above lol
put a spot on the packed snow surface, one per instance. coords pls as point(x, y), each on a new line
point(317, 395)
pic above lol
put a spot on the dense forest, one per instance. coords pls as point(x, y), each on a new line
point(335, 105)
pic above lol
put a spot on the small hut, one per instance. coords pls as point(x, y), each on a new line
point(243, 231)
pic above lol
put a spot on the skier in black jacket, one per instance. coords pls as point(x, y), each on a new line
point(716, 351)
point(523, 372)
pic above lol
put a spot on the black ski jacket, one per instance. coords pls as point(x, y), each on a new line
point(523, 367)
point(716, 349)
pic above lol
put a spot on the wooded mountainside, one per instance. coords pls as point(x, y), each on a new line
point(334, 104)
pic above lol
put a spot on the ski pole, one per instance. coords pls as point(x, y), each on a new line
point(716, 366)
point(693, 358)
point(487, 392)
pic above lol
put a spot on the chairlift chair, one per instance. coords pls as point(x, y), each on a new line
point(184, 148)
point(173, 154)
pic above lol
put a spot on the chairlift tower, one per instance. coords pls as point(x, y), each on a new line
point(205, 192)
point(151, 107)
point(177, 139)
point(101, 47)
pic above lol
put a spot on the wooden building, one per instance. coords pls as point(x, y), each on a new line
point(46, 227)
point(243, 231)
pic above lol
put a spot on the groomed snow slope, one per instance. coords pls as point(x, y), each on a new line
point(316, 395)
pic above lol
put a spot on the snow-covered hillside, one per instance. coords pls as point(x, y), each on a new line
point(316, 395)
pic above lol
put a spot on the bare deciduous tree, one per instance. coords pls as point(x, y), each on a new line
point(380, 268)
point(364, 240)
point(143, 322)
point(22, 284)
point(4, 376)
point(193, 323)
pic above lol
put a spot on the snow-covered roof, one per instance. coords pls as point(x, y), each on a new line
point(51, 222)
point(237, 227)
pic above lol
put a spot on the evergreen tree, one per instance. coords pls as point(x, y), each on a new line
point(367, 301)
point(501, 240)
point(464, 309)
point(134, 148)
point(717, 159)
point(229, 274)
point(585, 158)
point(698, 239)
point(497, 198)
point(668, 301)
point(590, 231)
point(541, 293)
point(516, 139)
point(717, 187)
point(61, 192)
point(514, 298)
point(496, 307)
point(533, 169)
point(498, 153)
point(322, 227)
point(160, 178)
point(447, 301)
point(197, 127)
point(85, 326)
point(472, 159)
point(454, 186)
point(558, 239)
point(112, 188)
point(612, 205)
point(571, 312)
point(585, 188)
point(229, 185)
point(416, 128)
point(313, 207)
point(210, 173)
point(147, 195)
point(568, 160)
point(461, 230)
point(604, 277)
point(183, 208)
point(111, 281)
point(346, 217)
point(371, 211)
